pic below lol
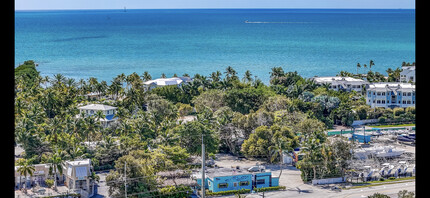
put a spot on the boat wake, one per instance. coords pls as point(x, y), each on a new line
point(273, 22)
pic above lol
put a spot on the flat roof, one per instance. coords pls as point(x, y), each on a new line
point(392, 85)
point(97, 107)
point(223, 172)
point(337, 78)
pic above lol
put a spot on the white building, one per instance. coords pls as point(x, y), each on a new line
point(342, 83)
point(160, 82)
point(91, 110)
point(408, 74)
point(77, 176)
point(390, 95)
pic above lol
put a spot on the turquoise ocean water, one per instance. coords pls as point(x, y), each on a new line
point(105, 43)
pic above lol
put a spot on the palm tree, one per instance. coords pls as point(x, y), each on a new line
point(371, 64)
point(146, 76)
point(247, 77)
point(230, 73)
point(163, 75)
point(215, 76)
point(276, 72)
point(57, 161)
point(25, 168)
point(358, 67)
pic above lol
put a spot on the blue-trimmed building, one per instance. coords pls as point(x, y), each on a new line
point(224, 179)
point(91, 110)
point(390, 95)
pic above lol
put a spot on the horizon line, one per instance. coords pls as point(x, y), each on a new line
point(67, 9)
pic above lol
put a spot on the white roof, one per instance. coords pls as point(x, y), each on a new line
point(79, 162)
point(97, 107)
point(391, 85)
point(164, 81)
point(337, 78)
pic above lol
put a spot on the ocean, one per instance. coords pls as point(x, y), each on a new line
point(313, 42)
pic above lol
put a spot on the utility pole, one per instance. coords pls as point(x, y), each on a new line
point(125, 178)
point(203, 169)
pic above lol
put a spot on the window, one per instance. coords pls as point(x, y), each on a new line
point(378, 102)
point(209, 183)
point(383, 101)
point(223, 185)
point(404, 93)
point(235, 184)
point(334, 87)
point(358, 86)
point(409, 94)
point(261, 181)
point(92, 112)
point(244, 183)
point(383, 93)
point(373, 101)
point(404, 101)
point(379, 93)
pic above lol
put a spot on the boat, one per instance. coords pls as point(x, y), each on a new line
point(390, 152)
point(406, 138)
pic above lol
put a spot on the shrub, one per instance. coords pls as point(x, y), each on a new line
point(264, 189)
point(228, 192)
point(391, 178)
point(49, 182)
point(381, 120)
point(381, 179)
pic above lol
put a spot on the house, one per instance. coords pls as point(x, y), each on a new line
point(91, 110)
point(160, 82)
point(76, 175)
point(224, 179)
point(40, 174)
point(390, 95)
point(408, 74)
point(342, 83)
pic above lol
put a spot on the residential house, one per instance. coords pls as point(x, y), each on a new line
point(390, 95)
point(91, 110)
point(342, 83)
point(408, 74)
point(160, 82)
point(40, 174)
point(76, 175)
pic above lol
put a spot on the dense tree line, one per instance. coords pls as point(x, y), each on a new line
point(241, 116)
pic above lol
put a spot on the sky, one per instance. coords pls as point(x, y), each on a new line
point(193, 4)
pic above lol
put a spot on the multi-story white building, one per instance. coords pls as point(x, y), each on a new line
point(342, 83)
point(91, 110)
point(77, 176)
point(160, 82)
point(408, 74)
point(390, 95)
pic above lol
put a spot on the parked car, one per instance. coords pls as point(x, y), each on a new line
point(256, 168)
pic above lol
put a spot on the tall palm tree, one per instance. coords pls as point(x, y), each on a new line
point(230, 73)
point(146, 76)
point(276, 72)
point(247, 77)
point(163, 75)
point(57, 161)
point(216, 76)
point(25, 168)
point(371, 63)
point(358, 67)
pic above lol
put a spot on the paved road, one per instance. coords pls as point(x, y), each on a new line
point(315, 192)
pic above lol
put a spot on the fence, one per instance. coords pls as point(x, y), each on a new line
point(376, 178)
point(328, 180)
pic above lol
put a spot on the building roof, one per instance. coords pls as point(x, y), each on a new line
point(79, 162)
point(336, 78)
point(407, 69)
point(391, 85)
point(222, 172)
point(97, 107)
point(168, 81)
